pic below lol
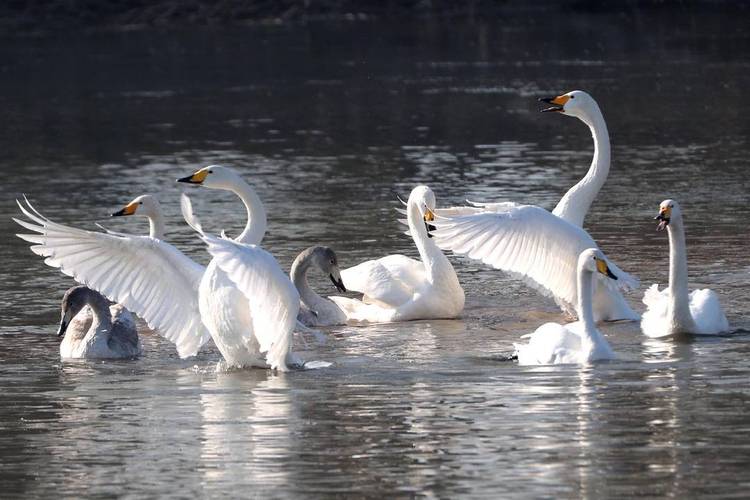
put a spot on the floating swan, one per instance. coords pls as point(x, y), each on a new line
point(246, 302)
point(143, 273)
point(578, 342)
point(537, 246)
point(315, 310)
point(675, 310)
point(94, 328)
point(574, 206)
point(398, 288)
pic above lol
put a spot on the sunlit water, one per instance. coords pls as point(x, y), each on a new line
point(330, 123)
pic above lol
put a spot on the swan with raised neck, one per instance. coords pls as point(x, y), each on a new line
point(575, 204)
point(149, 207)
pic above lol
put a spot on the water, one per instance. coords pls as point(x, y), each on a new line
point(330, 122)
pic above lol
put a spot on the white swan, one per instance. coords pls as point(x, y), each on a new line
point(316, 310)
point(574, 206)
point(143, 273)
point(578, 342)
point(94, 328)
point(147, 206)
point(537, 246)
point(675, 310)
point(398, 288)
point(246, 302)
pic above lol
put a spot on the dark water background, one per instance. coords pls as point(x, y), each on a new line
point(329, 121)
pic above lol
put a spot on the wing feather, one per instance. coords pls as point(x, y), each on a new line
point(147, 276)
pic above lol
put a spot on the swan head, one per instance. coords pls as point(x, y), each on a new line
point(73, 301)
point(214, 177)
point(423, 197)
point(143, 205)
point(668, 211)
point(325, 259)
point(593, 260)
point(575, 103)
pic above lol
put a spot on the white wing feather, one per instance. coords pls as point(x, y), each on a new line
point(148, 276)
point(272, 298)
point(523, 240)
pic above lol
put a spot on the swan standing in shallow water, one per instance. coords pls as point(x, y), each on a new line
point(537, 246)
point(94, 328)
point(246, 301)
point(316, 310)
point(398, 288)
point(675, 310)
point(578, 342)
point(143, 273)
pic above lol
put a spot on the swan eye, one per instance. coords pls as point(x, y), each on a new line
point(140, 203)
point(572, 97)
point(210, 171)
point(333, 261)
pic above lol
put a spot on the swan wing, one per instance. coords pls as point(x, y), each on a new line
point(550, 344)
point(148, 276)
point(390, 281)
point(707, 312)
point(524, 240)
point(272, 298)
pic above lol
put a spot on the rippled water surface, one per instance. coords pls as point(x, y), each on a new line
point(330, 122)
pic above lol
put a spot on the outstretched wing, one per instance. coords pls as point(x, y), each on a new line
point(272, 298)
point(524, 240)
point(148, 276)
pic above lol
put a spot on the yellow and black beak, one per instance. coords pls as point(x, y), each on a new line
point(429, 216)
point(603, 268)
point(129, 209)
point(665, 214)
point(196, 178)
point(558, 103)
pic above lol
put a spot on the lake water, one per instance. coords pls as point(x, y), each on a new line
point(330, 122)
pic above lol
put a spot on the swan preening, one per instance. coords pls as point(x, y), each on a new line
point(535, 245)
point(94, 328)
point(578, 342)
point(675, 310)
point(399, 288)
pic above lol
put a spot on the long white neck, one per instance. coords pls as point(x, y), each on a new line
point(433, 259)
point(298, 274)
point(255, 228)
point(585, 300)
point(156, 226)
point(679, 306)
point(574, 206)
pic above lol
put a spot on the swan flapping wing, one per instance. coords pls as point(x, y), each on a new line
point(523, 240)
point(148, 276)
point(272, 298)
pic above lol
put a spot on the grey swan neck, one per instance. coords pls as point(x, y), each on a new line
point(298, 274)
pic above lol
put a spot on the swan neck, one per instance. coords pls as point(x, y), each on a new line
point(255, 227)
point(298, 274)
point(156, 226)
point(678, 270)
point(576, 203)
point(585, 301)
point(429, 253)
point(102, 318)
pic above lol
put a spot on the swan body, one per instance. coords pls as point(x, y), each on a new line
point(94, 328)
point(675, 310)
point(142, 273)
point(399, 288)
point(575, 343)
point(246, 302)
point(316, 310)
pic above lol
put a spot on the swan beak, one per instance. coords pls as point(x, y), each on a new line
point(128, 210)
point(664, 215)
point(337, 282)
point(558, 103)
point(196, 178)
point(63, 327)
point(429, 216)
point(603, 268)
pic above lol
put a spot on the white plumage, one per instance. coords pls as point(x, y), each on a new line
point(675, 310)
